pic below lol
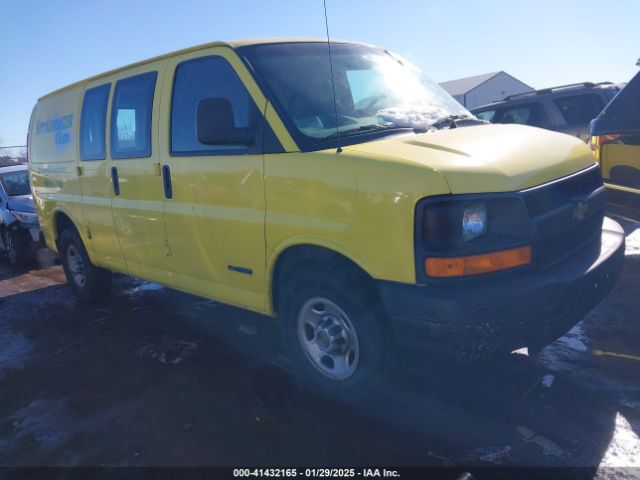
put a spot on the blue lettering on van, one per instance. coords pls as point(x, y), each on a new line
point(62, 138)
point(54, 124)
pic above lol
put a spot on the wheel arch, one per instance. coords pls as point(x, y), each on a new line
point(286, 260)
point(61, 221)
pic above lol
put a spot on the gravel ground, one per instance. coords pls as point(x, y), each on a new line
point(157, 377)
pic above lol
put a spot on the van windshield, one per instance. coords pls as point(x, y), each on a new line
point(15, 183)
point(375, 91)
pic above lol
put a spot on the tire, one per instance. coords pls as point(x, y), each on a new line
point(333, 330)
point(16, 245)
point(90, 283)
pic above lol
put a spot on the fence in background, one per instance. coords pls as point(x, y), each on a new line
point(13, 154)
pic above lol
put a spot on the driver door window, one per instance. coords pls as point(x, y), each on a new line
point(200, 79)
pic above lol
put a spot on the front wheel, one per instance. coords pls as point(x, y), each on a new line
point(16, 245)
point(334, 331)
point(89, 282)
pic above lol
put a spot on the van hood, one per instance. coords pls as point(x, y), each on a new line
point(21, 203)
point(488, 158)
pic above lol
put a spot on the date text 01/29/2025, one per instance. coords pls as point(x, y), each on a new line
point(315, 472)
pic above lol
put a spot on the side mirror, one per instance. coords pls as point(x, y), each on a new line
point(215, 125)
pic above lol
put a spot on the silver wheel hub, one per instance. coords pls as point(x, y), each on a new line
point(328, 339)
point(76, 266)
point(330, 335)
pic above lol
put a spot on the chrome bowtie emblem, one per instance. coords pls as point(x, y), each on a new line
point(580, 212)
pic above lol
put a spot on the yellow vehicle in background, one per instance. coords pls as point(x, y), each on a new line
point(615, 141)
point(353, 199)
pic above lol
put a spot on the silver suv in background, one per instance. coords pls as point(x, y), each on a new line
point(566, 109)
point(19, 227)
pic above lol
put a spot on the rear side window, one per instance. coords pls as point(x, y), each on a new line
point(579, 109)
point(15, 183)
point(131, 116)
point(532, 114)
point(92, 123)
point(196, 80)
point(488, 115)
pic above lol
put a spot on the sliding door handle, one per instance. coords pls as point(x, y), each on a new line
point(114, 181)
point(166, 180)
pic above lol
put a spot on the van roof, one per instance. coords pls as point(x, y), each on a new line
point(231, 44)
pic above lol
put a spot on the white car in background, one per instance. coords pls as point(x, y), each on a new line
point(19, 227)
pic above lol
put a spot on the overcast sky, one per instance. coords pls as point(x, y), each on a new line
point(48, 44)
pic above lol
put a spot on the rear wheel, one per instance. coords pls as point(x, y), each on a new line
point(89, 282)
point(16, 244)
point(334, 330)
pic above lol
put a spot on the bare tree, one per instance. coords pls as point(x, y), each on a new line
point(12, 154)
point(21, 155)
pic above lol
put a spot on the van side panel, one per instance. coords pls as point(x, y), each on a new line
point(53, 147)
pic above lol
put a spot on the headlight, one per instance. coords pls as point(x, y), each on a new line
point(474, 221)
point(26, 218)
point(458, 235)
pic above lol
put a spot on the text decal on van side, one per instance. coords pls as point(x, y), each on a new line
point(59, 125)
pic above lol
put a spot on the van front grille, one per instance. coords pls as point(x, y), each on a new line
point(540, 200)
point(567, 215)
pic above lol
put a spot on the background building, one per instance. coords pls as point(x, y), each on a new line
point(472, 92)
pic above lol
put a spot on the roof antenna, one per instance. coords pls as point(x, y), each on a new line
point(333, 84)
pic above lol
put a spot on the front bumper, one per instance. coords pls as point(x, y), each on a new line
point(469, 317)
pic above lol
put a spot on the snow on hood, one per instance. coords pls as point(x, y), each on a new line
point(413, 117)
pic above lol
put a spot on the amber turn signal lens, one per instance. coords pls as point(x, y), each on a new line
point(475, 264)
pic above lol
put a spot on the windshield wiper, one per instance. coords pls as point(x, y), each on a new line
point(450, 120)
point(362, 129)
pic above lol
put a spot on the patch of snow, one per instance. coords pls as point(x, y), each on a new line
point(559, 355)
point(50, 424)
point(150, 286)
point(548, 446)
point(413, 117)
point(633, 243)
point(624, 447)
point(493, 455)
point(14, 350)
point(547, 380)
point(144, 287)
point(575, 339)
point(45, 421)
point(248, 329)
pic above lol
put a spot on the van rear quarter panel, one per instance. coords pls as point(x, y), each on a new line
point(359, 205)
point(53, 158)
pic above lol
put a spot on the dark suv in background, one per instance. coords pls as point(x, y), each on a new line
point(567, 109)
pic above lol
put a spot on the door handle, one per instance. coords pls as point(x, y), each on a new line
point(166, 180)
point(114, 181)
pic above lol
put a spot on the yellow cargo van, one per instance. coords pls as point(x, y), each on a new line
point(352, 199)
